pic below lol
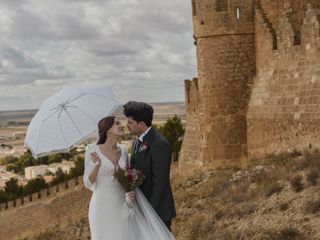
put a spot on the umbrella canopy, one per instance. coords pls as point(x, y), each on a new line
point(67, 118)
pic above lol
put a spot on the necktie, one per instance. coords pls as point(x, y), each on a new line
point(138, 145)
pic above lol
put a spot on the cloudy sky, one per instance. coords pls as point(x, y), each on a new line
point(143, 48)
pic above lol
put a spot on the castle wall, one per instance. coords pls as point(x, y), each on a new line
point(63, 205)
point(284, 112)
point(189, 158)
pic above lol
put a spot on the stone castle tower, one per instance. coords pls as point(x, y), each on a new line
point(246, 53)
point(224, 37)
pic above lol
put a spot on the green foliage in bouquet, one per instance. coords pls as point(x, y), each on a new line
point(129, 178)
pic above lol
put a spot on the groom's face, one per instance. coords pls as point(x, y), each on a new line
point(133, 126)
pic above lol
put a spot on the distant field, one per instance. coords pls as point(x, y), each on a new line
point(9, 131)
point(161, 110)
point(23, 115)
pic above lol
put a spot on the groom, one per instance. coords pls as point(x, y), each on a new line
point(151, 154)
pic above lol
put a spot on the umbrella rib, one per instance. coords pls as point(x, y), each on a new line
point(94, 94)
point(57, 109)
point(64, 139)
point(73, 122)
point(72, 100)
point(94, 121)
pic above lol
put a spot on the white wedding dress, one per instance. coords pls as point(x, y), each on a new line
point(106, 206)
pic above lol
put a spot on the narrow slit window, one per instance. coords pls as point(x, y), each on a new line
point(238, 13)
point(194, 13)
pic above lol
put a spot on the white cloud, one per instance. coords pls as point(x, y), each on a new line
point(143, 48)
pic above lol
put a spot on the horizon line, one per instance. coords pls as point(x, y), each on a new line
point(36, 109)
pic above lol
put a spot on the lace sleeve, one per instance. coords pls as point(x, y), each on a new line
point(88, 168)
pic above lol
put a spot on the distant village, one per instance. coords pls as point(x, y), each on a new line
point(45, 171)
point(12, 145)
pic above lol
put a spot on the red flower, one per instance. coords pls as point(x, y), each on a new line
point(130, 177)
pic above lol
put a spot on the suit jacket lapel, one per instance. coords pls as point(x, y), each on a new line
point(147, 139)
point(149, 136)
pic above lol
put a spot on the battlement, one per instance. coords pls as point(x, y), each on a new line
point(52, 208)
point(263, 22)
point(287, 39)
point(43, 195)
point(310, 30)
point(222, 17)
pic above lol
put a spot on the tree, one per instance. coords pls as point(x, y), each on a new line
point(3, 196)
point(54, 158)
point(173, 131)
point(78, 168)
point(34, 185)
point(10, 159)
point(12, 189)
point(60, 177)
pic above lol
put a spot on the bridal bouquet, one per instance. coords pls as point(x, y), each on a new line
point(129, 179)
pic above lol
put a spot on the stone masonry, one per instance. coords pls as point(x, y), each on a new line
point(258, 85)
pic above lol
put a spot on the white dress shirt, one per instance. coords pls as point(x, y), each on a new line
point(143, 134)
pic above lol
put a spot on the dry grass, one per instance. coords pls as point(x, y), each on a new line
point(313, 207)
point(255, 206)
point(296, 183)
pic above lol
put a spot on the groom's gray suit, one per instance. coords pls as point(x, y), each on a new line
point(153, 157)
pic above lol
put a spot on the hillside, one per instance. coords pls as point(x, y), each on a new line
point(274, 199)
point(277, 198)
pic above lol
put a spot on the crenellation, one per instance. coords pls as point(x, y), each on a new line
point(310, 29)
point(19, 202)
point(265, 40)
point(44, 213)
point(285, 33)
point(43, 195)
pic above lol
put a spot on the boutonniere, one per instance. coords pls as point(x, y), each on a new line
point(144, 146)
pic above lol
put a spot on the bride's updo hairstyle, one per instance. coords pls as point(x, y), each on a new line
point(103, 126)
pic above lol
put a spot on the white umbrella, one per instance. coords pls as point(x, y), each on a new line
point(67, 118)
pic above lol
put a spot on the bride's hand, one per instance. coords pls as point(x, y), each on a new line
point(130, 196)
point(95, 159)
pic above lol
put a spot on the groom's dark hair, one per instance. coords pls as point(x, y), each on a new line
point(139, 111)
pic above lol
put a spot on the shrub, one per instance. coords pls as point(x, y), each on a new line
point(272, 188)
point(312, 177)
point(309, 160)
point(289, 233)
point(313, 207)
point(173, 130)
point(296, 183)
point(284, 207)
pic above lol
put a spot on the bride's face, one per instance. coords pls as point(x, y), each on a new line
point(117, 129)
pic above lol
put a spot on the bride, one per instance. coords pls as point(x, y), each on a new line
point(107, 201)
